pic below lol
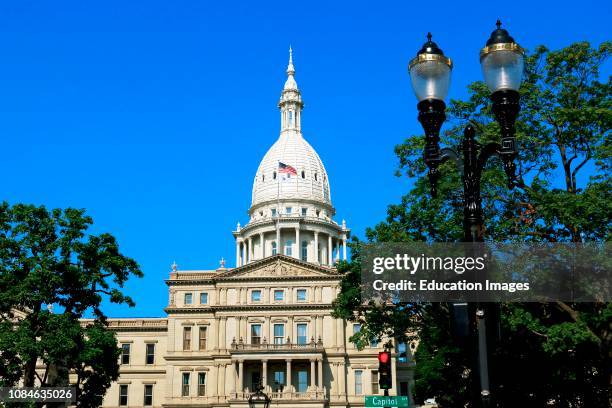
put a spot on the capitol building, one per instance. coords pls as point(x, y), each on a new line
point(267, 320)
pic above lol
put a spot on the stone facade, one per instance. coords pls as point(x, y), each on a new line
point(268, 320)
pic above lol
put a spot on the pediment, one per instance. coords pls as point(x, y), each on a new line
point(278, 266)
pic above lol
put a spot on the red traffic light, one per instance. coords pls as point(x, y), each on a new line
point(384, 357)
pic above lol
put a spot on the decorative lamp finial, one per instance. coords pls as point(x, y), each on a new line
point(429, 36)
point(222, 262)
point(174, 266)
point(238, 227)
point(290, 67)
point(498, 23)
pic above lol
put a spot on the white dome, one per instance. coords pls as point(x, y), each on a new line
point(311, 182)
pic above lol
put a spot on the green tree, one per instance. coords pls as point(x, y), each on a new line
point(47, 260)
point(557, 352)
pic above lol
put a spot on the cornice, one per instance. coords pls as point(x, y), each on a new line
point(248, 308)
point(235, 274)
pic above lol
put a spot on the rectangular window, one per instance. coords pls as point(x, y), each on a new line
point(187, 338)
point(356, 328)
point(279, 295)
point(274, 250)
point(201, 384)
point(302, 381)
point(304, 251)
point(123, 394)
point(279, 380)
point(279, 333)
point(274, 212)
point(288, 210)
point(302, 333)
point(148, 395)
point(255, 380)
point(374, 382)
point(125, 353)
point(150, 358)
point(256, 295)
point(374, 343)
point(304, 211)
point(185, 385)
point(358, 382)
point(188, 298)
point(403, 388)
point(301, 295)
point(203, 298)
point(256, 334)
point(202, 338)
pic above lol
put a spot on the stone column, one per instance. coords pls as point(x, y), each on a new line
point(215, 334)
point(312, 374)
point(262, 246)
point(330, 261)
point(240, 376)
point(214, 373)
point(342, 377)
point(288, 387)
point(231, 368)
point(298, 246)
point(251, 250)
point(290, 329)
point(244, 253)
point(337, 250)
point(237, 253)
point(222, 333)
point(320, 379)
point(340, 332)
point(221, 380)
point(316, 247)
point(344, 247)
point(264, 373)
point(335, 333)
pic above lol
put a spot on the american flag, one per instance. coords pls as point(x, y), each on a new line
point(287, 169)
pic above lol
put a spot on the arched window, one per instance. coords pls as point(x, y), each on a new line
point(273, 247)
point(290, 118)
point(288, 247)
point(315, 176)
point(274, 175)
point(263, 177)
point(303, 174)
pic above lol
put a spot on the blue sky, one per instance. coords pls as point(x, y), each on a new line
point(153, 115)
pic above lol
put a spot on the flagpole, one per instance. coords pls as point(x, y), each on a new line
point(278, 238)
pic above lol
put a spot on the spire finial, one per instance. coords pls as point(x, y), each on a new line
point(290, 68)
point(174, 266)
point(429, 37)
point(498, 23)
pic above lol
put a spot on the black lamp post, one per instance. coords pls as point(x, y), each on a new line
point(502, 67)
point(259, 399)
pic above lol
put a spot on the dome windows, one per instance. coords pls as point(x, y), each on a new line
point(303, 174)
point(274, 175)
point(315, 177)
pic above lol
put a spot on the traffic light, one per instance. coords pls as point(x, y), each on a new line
point(384, 370)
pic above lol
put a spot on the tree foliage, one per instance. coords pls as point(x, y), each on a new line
point(47, 261)
point(558, 352)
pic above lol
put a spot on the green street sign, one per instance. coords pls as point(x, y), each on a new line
point(372, 401)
